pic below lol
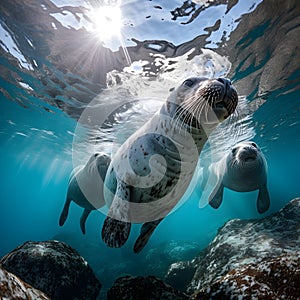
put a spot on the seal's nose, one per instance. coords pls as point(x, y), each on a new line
point(230, 97)
point(248, 153)
point(225, 81)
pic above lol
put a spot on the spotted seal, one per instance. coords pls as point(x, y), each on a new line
point(85, 187)
point(243, 169)
point(151, 171)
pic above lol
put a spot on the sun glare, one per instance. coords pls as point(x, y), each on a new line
point(106, 21)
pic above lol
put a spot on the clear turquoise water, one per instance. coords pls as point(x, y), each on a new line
point(37, 126)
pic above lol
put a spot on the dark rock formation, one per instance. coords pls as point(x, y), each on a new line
point(13, 288)
point(180, 274)
point(248, 258)
point(143, 288)
point(54, 268)
point(159, 258)
point(270, 278)
point(154, 260)
point(274, 278)
point(242, 246)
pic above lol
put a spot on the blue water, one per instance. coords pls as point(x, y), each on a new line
point(47, 82)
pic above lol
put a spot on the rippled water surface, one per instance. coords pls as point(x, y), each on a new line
point(65, 62)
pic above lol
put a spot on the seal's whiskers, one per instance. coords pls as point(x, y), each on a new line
point(180, 119)
point(189, 112)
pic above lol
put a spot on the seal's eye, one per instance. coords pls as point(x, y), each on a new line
point(254, 145)
point(233, 151)
point(189, 82)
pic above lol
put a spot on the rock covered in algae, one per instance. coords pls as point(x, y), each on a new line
point(13, 288)
point(272, 278)
point(54, 268)
point(240, 247)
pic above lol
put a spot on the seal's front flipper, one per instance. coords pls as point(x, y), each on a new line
point(146, 232)
point(83, 218)
point(216, 197)
point(263, 200)
point(116, 227)
point(210, 181)
point(64, 213)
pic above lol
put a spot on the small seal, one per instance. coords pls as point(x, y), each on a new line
point(243, 169)
point(151, 171)
point(85, 187)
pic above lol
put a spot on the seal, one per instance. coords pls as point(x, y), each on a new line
point(243, 169)
point(85, 187)
point(151, 171)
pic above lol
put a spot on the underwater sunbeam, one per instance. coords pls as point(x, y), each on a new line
point(106, 21)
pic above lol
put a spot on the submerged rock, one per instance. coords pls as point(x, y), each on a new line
point(154, 260)
point(54, 268)
point(13, 288)
point(273, 278)
point(143, 288)
point(242, 245)
point(157, 259)
point(180, 274)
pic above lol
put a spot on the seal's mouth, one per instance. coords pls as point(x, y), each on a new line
point(249, 158)
point(243, 159)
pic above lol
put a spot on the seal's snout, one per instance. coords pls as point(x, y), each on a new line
point(225, 99)
point(226, 86)
point(246, 153)
point(230, 96)
point(226, 82)
point(249, 154)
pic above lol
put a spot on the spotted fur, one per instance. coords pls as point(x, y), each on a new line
point(151, 171)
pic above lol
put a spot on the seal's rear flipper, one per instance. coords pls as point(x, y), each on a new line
point(64, 213)
point(146, 232)
point(83, 218)
point(263, 200)
point(114, 232)
point(216, 197)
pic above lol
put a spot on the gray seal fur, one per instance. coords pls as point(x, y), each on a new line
point(151, 171)
point(243, 169)
point(85, 187)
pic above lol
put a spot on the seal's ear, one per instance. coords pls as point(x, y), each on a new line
point(263, 200)
point(216, 197)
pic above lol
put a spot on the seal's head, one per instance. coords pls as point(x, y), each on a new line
point(245, 155)
point(101, 161)
point(200, 100)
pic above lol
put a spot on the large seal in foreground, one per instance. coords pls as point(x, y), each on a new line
point(243, 169)
point(85, 187)
point(152, 170)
